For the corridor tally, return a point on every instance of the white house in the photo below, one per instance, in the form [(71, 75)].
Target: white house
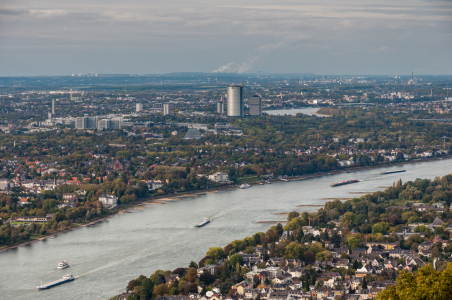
[(109, 200), (219, 177)]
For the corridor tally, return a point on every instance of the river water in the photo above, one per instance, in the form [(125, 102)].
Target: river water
[(292, 111), (105, 256)]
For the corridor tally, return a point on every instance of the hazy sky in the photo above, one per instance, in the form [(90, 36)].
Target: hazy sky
[(62, 37)]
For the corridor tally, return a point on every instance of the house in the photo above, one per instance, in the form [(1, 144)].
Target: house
[(219, 177), (120, 165), (363, 272), (207, 268), (436, 223), (24, 201), (386, 246), (108, 200), (69, 195), (397, 252), (250, 258), (426, 253), (30, 219)]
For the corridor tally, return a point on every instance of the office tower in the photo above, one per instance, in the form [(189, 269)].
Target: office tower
[(103, 124), (166, 109), (255, 105), (235, 101), (114, 123), (53, 106), (85, 122), (220, 107), (139, 107)]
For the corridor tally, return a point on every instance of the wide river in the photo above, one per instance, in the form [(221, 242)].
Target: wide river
[(104, 257)]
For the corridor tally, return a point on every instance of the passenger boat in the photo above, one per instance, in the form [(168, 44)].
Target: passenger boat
[(203, 223), (63, 265), (66, 278), (344, 182)]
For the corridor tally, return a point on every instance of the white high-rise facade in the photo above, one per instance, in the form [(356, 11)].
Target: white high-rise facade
[(255, 104), (139, 107), (235, 101), (166, 109)]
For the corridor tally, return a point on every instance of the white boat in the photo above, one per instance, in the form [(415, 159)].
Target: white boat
[(245, 186), (63, 265)]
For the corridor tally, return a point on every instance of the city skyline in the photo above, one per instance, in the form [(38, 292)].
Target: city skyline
[(345, 37)]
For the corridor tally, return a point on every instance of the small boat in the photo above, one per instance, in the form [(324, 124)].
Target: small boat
[(344, 182), (63, 265), (391, 172), (245, 186), (66, 278), (203, 223)]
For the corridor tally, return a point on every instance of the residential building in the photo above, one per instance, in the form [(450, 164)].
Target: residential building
[(108, 200)]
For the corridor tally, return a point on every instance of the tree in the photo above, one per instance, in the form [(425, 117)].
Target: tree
[(190, 288), (147, 289), (364, 286), (425, 284), (309, 257), (191, 275), (380, 227), (292, 215), (236, 259), (160, 290), (131, 285), (207, 278), (294, 250), (300, 235), (215, 253), (193, 265), (279, 229)]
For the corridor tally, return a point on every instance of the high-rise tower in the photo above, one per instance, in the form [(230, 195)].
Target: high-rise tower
[(235, 101)]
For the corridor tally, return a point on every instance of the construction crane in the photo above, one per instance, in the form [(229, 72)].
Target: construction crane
[(313, 219)]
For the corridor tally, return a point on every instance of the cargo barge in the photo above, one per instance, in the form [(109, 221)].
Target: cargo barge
[(391, 172), (203, 223), (66, 278), (344, 182)]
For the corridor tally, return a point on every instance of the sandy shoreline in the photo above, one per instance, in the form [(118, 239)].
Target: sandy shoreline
[(166, 198)]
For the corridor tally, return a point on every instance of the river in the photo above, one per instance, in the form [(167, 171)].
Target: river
[(292, 111), (105, 256)]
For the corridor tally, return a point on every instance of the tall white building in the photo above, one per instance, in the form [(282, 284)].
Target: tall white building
[(220, 107), (85, 122), (255, 104), (139, 107), (235, 101), (166, 109)]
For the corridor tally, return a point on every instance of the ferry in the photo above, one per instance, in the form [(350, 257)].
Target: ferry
[(63, 265), (66, 278), (203, 223), (391, 172), (245, 186), (344, 182)]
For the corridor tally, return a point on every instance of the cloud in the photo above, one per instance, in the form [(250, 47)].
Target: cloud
[(13, 11)]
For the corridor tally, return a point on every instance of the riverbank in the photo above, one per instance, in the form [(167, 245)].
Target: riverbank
[(171, 198)]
